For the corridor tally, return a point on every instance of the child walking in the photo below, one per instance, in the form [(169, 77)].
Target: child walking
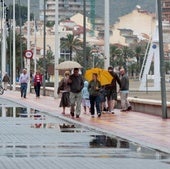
[(85, 98)]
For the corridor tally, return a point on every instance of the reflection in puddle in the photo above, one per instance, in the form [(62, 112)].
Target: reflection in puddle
[(27, 132), (101, 141)]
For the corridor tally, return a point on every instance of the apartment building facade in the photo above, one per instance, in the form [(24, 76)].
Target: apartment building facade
[(67, 8), (166, 10)]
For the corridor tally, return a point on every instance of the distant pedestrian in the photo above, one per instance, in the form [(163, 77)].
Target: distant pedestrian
[(64, 89), (94, 90), (5, 81), (37, 83), (111, 90), (76, 86), (85, 98), (23, 80), (124, 90)]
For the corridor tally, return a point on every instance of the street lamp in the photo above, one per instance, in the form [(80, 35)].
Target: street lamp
[(28, 42), (3, 58), (14, 52), (162, 63), (44, 49), (96, 53), (84, 35), (20, 27), (106, 36), (57, 50)]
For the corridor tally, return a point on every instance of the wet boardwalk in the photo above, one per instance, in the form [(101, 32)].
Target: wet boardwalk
[(151, 130), (141, 128)]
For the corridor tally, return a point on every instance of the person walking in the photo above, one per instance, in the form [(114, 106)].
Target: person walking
[(103, 99), (37, 83), (23, 80), (111, 90), (94, 90), (5, 81), (64, 89), (124, 90), (85, 98), (76, 85)]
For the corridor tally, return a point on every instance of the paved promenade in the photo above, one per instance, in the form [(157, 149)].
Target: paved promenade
[(141, 128), (22, 146)]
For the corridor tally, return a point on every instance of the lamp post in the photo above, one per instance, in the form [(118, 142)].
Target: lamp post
[(44, 49), (106, 36), (35, 47), (57, 50), (1, 36), (162, 63), (20, 26), (28, 43), (3, 59), (14, 52), (84, 35)]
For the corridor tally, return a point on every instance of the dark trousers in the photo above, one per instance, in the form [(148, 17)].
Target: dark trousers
[(23, 89), (37, 89), (95, 101)]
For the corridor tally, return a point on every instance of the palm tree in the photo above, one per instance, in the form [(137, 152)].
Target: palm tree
[(139, 52), (19, 61), (79, 55), (71, 43), (127, 53), (115, 56)]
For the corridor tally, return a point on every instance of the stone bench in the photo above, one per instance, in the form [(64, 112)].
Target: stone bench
[(147, 106)]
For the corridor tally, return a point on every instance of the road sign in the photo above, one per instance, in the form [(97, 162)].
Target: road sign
[(28, 54)]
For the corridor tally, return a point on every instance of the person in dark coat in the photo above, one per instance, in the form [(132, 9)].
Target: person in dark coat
[(94, 91), (76, 85), (5, 81), (64, 89), (111, 90)]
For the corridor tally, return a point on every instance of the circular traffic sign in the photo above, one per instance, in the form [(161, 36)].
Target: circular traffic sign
[(154, 46), (28, 54)]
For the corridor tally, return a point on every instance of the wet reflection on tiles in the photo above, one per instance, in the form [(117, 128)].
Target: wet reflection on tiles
[(27, 132)]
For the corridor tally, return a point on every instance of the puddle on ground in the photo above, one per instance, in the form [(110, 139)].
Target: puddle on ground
[(26, 132)]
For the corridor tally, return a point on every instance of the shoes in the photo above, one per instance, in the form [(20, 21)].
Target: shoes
[(129, 108), (63, 113), (112, 112), (77, 116), (98, 114), (72, 114), (123, 110), (92, 116), (72, 111)]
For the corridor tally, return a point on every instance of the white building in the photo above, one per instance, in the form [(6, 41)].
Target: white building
[(67, 8), (139, 21)]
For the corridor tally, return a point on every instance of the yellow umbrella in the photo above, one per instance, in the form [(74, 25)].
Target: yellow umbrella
[(103, 75)]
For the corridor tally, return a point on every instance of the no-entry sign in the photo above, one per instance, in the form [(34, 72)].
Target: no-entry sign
[(28, 54)]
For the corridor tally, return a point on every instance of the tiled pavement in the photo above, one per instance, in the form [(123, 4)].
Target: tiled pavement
[(149, 130), (145, 129)]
